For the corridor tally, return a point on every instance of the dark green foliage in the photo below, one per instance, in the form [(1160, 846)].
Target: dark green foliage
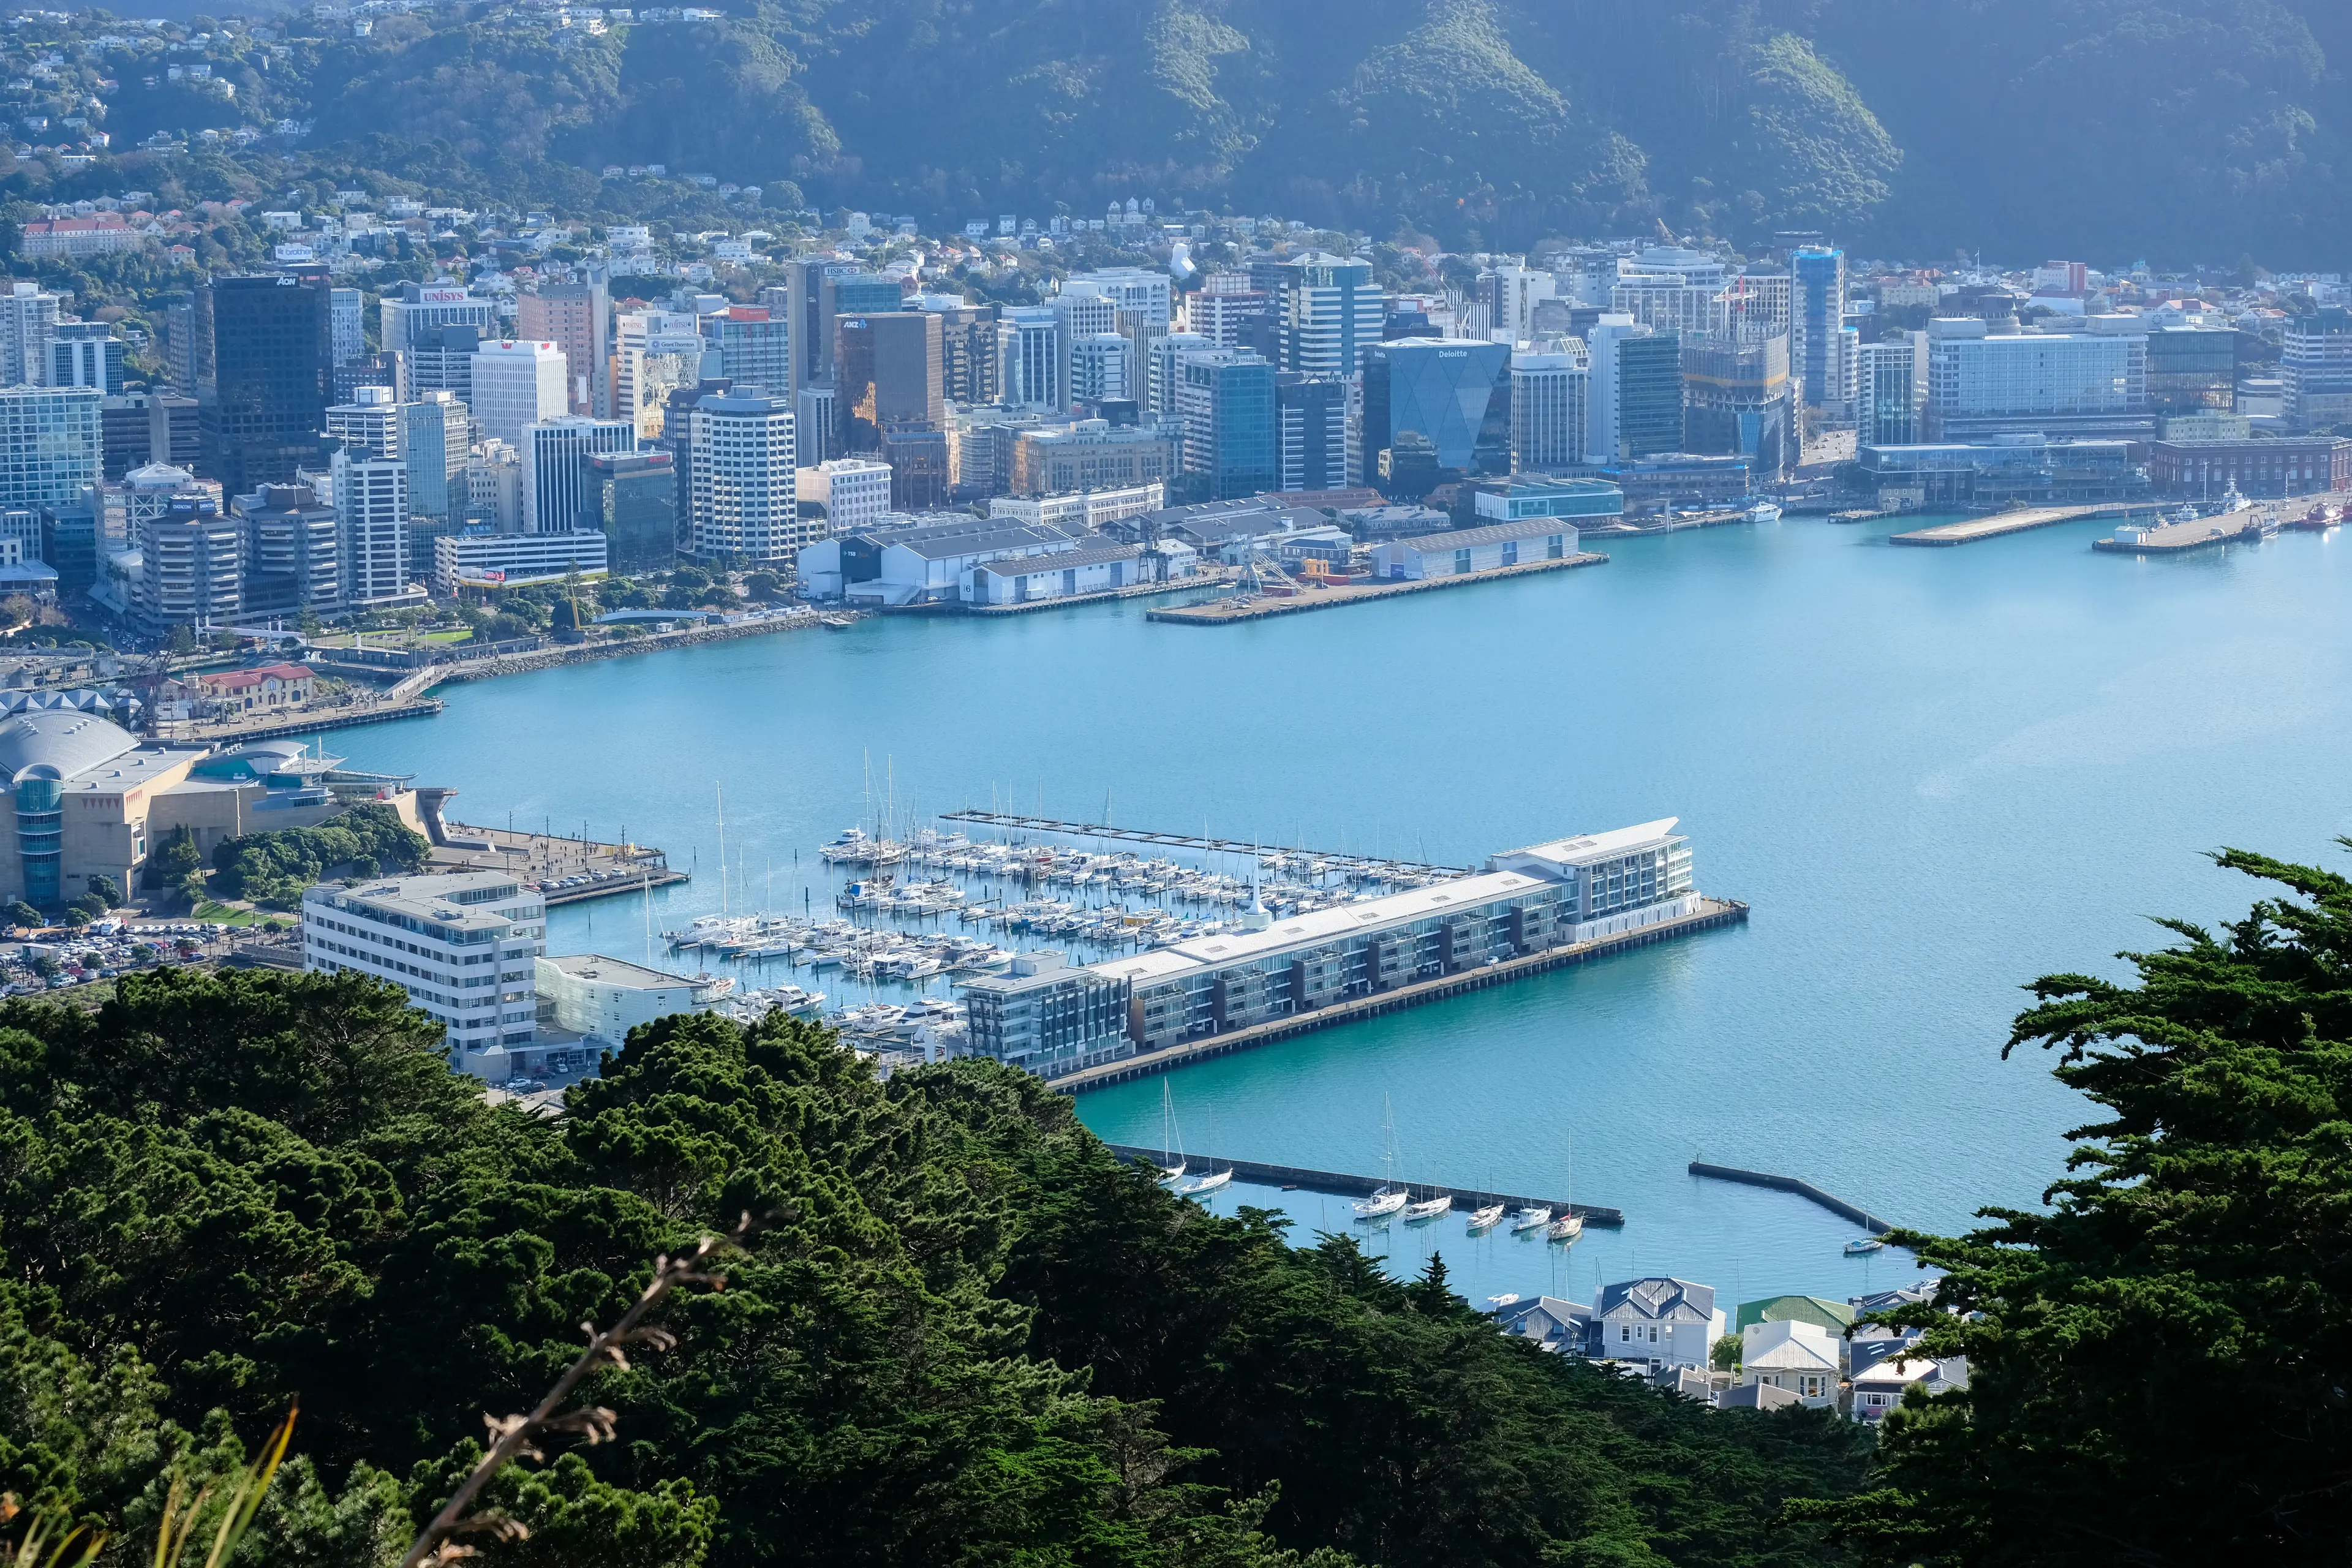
[(961, 1333), (2158, 1367), (106, 890), (174, 860), (274, 867), (24, 914)]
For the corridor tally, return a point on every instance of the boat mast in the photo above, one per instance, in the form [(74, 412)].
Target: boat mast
[(722, 846)]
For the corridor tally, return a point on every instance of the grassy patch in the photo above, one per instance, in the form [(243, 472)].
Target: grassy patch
[(230, 914)]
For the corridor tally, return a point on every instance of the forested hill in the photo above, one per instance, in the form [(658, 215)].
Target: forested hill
[(2109, 128)]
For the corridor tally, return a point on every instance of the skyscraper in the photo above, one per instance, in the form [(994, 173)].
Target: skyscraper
[(85, 353), (1028, 354), (293, 551), (1100, 369), (574, 317), (633, 497), (1816, 318), (1225, 398), (421, 308), (1311, 437), (1737, 400), (371, 519), (889, 371), (1160, 381), (554, 483), (371, 425), (741, 480), (1891, 390), (436, 432), (1605, 439), (754, 346), (1079, 316), (346, 324), (1332, 312), (516, 384), (49, 445), (27, 315), (1547, 393), (968, 352), (264, 369), (1649, 395), (1434, 410)]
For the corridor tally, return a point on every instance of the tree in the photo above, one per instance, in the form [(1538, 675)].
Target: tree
[(21, 913), (763, 585), (105, 890), (2156, 1365), (1724, 1355), (177, 857)]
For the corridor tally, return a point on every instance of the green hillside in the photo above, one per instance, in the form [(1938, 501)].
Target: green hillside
[(2107, 129)]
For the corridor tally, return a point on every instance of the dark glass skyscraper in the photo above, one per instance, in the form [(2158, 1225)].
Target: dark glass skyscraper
[(1445, 403), (264, 366), (889, 373)]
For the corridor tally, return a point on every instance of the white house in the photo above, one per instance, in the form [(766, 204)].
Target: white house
[(603, 998), (1558, 1325), (1794, 1355), (1461, 551), (1879, 1389), (1661, 1322), (1100, 568)]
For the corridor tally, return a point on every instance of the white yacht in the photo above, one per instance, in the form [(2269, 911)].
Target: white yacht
[(1486, 1219), (1382, 1204), (1427, 1209), (1566, 1228), (1764, 511), (1531, 1219), (1211, 1182)]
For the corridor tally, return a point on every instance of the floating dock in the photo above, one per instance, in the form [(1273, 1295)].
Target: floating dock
[(1346, 1186), (1342, 863), (1230, 612), (1712, 912), (2003, 522), (1806, 1190)]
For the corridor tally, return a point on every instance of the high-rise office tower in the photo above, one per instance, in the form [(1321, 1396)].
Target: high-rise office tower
[(441, 359), (1817, 356), (264, 369), (1891, 390), (1332, 312), (1101, 369), (177, 319), (744, 504), (516, 384), (1434, 410), (346, 324), (1225, 398), (818, 412), (968, 353), (889, 371), (1028, 354), (576, 318), (554, 483), (420, 308), (1311, 435), (436, 432), (372, 523), (754, 347), (633, 497), (1221, 315), (28, 314), (1077, 316), (50, 443), (1547, 394), (85, 353), (1512, 294), (191, 566), (1160, 382)]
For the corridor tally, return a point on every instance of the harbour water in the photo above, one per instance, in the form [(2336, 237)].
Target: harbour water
[(1935, 774)]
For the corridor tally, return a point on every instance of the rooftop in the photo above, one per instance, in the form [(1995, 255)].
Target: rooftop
[(606, 971)]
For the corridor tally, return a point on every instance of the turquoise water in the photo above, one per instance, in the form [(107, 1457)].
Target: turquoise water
[(1935, 774)]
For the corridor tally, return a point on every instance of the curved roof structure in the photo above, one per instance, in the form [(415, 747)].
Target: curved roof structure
[(63, 738)]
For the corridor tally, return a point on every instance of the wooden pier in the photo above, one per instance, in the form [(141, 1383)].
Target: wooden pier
[(1713, 912), (1806, 1190), (1232, 612), (1014, 822), (1346, 1186), (2002, 522)]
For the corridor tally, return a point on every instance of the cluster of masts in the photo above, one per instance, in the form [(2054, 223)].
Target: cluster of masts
[(865, 951), (1301, 873)]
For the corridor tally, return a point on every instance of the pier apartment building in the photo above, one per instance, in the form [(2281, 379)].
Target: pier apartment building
[(1052, 1018)]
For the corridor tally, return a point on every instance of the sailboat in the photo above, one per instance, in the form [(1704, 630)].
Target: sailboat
[(1169, 1138), (1568, 1225), (1211, 1182), (1389, 1197), (1427, 1209), (1486, 1219)]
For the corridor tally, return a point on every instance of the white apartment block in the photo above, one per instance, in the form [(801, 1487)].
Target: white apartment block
[(28, 317), (373, 424), (516, 384), (855, 491), (463, 946), (1029, 359), (1548, 409), (742, 477), (371, 514), (1101, 368)]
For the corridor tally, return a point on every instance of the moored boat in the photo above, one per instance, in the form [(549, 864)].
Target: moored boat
[(1427, 1209), (1565, 1228), (1382, 1204), (1531, 1219), (1862, 1245), (1486, 1219)]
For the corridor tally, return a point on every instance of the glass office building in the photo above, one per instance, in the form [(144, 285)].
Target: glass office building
[(1435, 408)]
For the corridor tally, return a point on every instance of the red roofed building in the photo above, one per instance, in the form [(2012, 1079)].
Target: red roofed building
[(259, 690), (92, 236)]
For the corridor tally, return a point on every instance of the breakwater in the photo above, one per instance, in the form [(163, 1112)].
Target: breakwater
[(1340, 1184), (1806, 1190)]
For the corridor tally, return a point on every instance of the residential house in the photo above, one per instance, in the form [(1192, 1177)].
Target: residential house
[(1879, 1389), (1661, 1322), (1792, 1355), (1558, 1325), (270, 688)]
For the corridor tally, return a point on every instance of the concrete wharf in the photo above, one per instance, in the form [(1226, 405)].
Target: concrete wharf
[(1344, 863), (1836, 1205), (1231, 611), (2199, 533), (1340, 1186), (1712, 912), (603, 870), (2003, 522)]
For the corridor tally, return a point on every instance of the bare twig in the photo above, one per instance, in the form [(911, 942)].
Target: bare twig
[(514, 1437)]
